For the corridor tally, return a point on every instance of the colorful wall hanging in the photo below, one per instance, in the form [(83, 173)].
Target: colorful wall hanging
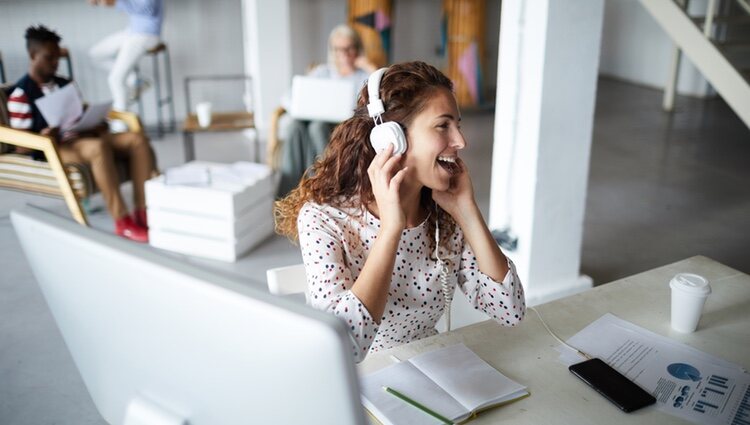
[(372, 20), (463, 38)]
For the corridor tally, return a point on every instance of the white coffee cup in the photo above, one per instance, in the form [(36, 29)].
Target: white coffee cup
[(203, 110), (689, 293)]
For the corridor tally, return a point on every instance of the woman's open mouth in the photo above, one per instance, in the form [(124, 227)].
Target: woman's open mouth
[(449, 164)]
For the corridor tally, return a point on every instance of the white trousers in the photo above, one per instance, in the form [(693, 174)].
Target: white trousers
[(118, 53)]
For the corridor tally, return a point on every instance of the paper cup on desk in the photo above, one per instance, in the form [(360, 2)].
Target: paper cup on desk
[(689, 293), (203, 111)]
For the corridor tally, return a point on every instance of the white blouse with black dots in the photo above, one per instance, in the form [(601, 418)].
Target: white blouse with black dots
[(335, 244)]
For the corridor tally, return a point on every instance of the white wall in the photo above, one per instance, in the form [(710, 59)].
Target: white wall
[(311, 21), (205, 37), (636, 49)]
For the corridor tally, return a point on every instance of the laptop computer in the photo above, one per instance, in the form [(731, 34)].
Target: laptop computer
[(322, 99)]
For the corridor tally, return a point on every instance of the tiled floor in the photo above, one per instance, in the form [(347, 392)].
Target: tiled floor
[(662, 187)]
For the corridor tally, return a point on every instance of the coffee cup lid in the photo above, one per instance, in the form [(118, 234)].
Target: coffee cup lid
[(691, 283)]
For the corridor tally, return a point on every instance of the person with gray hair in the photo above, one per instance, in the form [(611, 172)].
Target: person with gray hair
[(304, 141)]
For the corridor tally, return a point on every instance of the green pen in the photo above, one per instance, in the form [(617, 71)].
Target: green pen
[(417, 405)]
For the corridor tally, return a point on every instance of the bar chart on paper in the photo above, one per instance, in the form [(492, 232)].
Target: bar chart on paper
[(704, 394), (713, 394), (742, 417), (723, 399)]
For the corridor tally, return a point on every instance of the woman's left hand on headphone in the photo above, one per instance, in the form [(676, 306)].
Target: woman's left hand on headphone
[(460, 196)]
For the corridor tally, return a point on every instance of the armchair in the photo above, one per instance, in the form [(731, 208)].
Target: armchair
[(71, 181)]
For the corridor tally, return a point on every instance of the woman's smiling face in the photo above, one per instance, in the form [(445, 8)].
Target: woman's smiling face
[(434, 138)]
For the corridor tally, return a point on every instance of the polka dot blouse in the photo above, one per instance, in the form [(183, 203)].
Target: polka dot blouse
[(335, 244)]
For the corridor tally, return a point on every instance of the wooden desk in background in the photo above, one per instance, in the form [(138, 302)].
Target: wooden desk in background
[(220, 121), (527, 353)]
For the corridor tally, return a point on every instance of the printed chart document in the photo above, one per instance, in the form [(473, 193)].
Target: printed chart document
[(62, 107), (686, 382), (92, 117), (452, 381)]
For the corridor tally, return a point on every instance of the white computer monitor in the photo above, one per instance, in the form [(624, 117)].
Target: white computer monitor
[(157, 341)]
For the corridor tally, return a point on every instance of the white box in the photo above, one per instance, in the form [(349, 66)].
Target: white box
[(222, 218)]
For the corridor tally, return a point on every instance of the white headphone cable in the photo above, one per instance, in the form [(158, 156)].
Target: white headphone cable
[(581, 353), (448, 290)]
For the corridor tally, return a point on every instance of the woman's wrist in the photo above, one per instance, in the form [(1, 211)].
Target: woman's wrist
[(467, 215), (390, 232)]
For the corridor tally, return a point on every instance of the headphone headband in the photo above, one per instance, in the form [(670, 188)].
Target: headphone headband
[(375, 105), (382, 134)]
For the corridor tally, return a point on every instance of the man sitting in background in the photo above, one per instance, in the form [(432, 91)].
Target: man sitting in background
[(97, 149)]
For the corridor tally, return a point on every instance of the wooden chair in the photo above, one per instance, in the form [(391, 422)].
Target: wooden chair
[(71, 181), (274, 143), (65, 54)]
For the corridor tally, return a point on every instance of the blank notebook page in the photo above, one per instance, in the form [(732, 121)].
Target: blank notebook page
[(406, 378), (479, 384)]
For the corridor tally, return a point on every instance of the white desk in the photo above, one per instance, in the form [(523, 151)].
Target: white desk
[(527, 352)]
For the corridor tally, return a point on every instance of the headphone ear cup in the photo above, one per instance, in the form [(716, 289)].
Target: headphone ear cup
[(388, 133)]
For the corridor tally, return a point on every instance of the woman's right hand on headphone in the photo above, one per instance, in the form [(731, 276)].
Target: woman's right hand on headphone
[(385, 179)]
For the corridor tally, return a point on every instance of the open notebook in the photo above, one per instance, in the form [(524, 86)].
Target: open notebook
[(452, 381)]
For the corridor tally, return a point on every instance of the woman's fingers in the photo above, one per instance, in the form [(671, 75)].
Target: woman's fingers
[(377, 163), (383, 156), (384, 164), (391, 164), (398, 178)]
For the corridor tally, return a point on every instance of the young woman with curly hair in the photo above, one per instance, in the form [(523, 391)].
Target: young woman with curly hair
[(366, 221)]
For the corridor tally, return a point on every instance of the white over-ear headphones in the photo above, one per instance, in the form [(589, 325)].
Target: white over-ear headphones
[(384, 133)]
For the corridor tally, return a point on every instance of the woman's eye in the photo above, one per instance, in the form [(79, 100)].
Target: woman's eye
[(443, 125)]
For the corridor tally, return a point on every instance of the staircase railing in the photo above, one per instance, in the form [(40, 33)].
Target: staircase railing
[(698, 45)]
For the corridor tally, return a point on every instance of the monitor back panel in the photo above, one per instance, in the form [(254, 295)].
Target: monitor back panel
[(143, 327)]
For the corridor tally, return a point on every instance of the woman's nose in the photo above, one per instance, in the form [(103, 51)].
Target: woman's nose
[(459, 142)]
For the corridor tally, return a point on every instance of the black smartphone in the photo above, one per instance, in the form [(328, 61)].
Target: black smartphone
[(613, 385)]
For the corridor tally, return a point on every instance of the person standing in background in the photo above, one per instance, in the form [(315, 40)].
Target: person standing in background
[(118, 53)]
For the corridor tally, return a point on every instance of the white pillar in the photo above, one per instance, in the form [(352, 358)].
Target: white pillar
[(267, 50), (546, 92)]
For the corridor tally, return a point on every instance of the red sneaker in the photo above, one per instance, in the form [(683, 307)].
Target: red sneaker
[(140, 217), (127, 228)]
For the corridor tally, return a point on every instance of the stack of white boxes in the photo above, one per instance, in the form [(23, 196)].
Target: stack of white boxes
[(211, 210)]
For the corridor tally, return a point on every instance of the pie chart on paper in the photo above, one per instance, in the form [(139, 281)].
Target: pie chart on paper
[(684, 371)]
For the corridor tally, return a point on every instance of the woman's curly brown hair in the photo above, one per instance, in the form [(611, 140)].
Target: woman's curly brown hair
[(339, 178)]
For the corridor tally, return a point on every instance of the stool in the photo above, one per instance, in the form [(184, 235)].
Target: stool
[(162, 100)]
